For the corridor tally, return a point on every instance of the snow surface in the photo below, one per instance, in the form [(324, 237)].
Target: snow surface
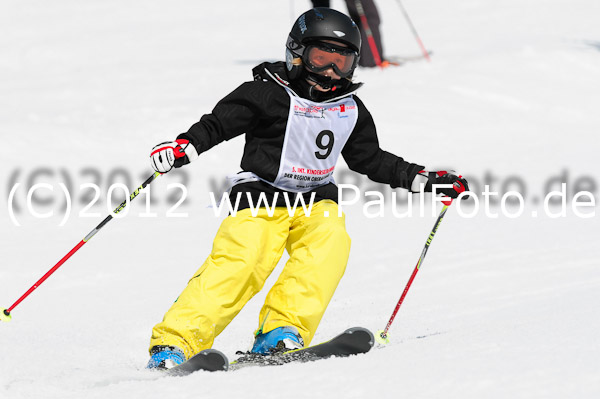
[(502, 307)]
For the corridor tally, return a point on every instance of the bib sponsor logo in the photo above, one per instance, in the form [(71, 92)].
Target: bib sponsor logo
[(309, 111)]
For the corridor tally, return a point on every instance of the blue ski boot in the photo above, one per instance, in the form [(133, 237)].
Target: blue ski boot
[(165, 357), (279, 340)]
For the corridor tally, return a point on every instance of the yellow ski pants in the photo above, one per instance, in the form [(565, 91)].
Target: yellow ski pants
[(245, 252)]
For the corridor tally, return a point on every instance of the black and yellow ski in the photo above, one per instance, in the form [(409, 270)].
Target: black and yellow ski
[(353, 341), (207, 360)]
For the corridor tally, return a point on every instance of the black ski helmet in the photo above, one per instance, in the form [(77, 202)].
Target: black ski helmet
[(314, 25)]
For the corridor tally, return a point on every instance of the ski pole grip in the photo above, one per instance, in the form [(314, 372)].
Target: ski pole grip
[(459, 188)]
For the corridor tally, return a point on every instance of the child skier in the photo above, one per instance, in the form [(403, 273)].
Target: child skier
[(298, 116)]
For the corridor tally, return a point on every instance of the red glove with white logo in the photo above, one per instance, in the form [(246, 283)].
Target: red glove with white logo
[(431, 179), (169, 154)]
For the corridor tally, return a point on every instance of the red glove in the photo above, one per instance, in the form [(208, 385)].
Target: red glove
[(431, 179), (169, 154)]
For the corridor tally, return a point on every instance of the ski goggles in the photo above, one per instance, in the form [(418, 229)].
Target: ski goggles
[(322, 56)]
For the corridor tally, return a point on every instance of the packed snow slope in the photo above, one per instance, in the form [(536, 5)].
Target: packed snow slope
[(505, 304)]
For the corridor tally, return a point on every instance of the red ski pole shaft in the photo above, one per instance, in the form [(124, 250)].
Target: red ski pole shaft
[(81, 243), (417, 267), (368, 33), (414, 31)]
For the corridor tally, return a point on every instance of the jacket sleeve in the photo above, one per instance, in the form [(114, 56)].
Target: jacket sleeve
[(236, 114), (363, 154)]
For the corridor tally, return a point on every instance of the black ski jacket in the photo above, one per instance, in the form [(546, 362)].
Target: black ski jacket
[(259, 109)]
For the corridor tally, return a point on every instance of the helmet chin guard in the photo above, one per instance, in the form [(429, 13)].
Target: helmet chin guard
[(325, 81)]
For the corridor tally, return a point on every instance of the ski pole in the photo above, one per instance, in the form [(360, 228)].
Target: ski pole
[(368, 33), (382, 335), (414, 31), (5, 314)]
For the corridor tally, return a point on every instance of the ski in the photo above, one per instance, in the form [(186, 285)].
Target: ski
[(353, 341), (398, 60), (207, 360)]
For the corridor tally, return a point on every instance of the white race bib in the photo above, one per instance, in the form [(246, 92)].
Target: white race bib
[(314, 138)]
